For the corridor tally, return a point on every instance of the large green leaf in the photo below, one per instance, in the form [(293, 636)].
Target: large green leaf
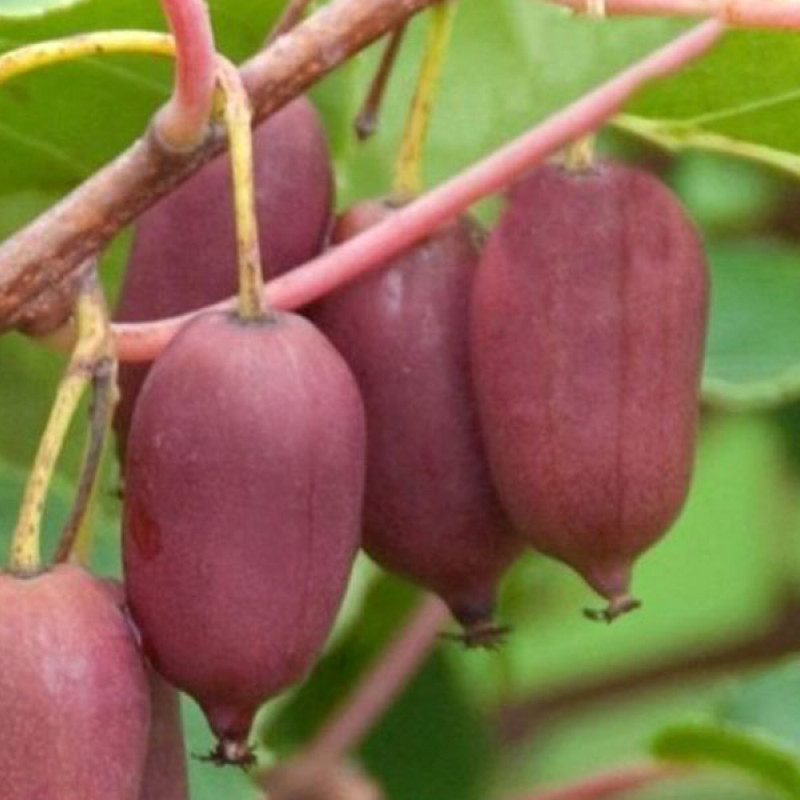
[(769, 702), (52, 138), (753, 355), (512, 43), (730, 745), (33, 8), (504, 73), (755, 727), (745, 89)]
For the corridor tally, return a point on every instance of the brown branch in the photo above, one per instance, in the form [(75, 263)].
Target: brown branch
[(40, 258), (523, 719)]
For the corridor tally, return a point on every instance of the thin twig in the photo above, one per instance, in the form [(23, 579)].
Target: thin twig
[(42, 54), (93, 340), (381, 684), (104, 393), (613, 783), (523, 719), (368, 117), (183, 122), (407, 225), (784, 14)]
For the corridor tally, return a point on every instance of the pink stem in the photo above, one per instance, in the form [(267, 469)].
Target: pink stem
[(609, 784), (143, 342), (381, 684), (183, 122), (744, 13)]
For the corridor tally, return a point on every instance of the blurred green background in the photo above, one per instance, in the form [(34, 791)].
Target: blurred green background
[(705, 669)]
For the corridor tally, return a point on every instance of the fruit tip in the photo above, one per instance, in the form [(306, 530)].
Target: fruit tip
[(476, 616), (230, 752), (485, 635), (617, 607), (365, 126)]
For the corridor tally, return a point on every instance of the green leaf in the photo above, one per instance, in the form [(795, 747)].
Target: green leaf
[(754, 752), (725, 195), (753, 359), (431, 743), (503, 74), (453, 756), (51, 137), (745, 89), (755, 728), (768, 702), (381, 613), (33, 8), (662, 134)]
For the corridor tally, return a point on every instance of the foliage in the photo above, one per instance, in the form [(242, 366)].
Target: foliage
[(512, 64)]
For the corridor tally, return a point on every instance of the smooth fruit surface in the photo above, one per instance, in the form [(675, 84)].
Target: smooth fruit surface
[(185, 245), (243, 499), (430, 514), (165, 775), (73, 691), (589, 319)]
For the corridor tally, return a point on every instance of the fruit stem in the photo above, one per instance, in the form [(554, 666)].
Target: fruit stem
[(408, 172), (183, 122), (579, 156), (238, 119), (368, 117), (292, 16), (43, 54), (93, 338), (78, 534), (617, 607), (596, 8)]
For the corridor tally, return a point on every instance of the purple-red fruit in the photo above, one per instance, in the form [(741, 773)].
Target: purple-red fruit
[(243, 498), (73, 691), (165, 775), (589, 319), (430, 512), (184, 246)]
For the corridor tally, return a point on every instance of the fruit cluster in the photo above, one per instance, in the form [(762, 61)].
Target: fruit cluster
[(474, 396)]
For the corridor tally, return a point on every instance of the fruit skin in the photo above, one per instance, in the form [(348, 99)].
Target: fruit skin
[(184, 246), (430, 512), (73, 691), (589, 319), (165, 775), (244, 487)]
